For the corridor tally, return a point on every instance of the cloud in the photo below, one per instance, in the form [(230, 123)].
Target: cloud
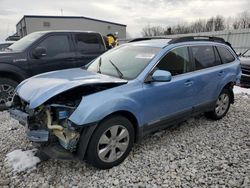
[(135, 14)]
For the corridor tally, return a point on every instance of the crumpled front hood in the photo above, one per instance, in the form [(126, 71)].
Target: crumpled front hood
[(38, 89)]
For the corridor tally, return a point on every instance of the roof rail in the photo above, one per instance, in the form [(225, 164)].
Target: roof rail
[(146, 38), (197, 38), (201, 38)]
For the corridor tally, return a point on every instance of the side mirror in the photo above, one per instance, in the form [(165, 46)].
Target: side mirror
[(39, 52), (161, 76)]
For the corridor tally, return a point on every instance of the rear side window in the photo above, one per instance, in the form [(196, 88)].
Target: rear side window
[(89, 43), (56, 45), (225, 55), (176, 61), (204, 57)]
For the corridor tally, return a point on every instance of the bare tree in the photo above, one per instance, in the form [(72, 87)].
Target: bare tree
[(210, 24), (146, 31), (198, 26), (219, 23), (245, 20), (152, 31), (242, 21), (236, 24)]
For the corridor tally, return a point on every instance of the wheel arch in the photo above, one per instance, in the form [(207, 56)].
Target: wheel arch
[(12, 72), (11, 75), (131, 117), (229, 86), (88, 131)]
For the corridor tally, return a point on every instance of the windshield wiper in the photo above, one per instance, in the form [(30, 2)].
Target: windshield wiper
[(99, 65), (116, 68)]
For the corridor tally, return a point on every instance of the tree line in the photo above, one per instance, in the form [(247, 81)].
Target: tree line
[(217, 23)]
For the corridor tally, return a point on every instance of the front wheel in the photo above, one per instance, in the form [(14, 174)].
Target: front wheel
[(221, 106), (111, 142)]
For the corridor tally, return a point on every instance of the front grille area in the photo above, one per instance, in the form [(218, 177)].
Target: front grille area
[(245, 81), (245, 70)]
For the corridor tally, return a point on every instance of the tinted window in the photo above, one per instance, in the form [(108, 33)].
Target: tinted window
[(56, 46), (204, 57), (89, 43), (176, 61), (225, 55)]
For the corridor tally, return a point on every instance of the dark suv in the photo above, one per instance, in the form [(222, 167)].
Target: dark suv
[(45, 51)]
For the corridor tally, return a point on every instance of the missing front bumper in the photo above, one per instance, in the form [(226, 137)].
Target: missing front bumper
[(32, 135), (20, 116), (38, 135)]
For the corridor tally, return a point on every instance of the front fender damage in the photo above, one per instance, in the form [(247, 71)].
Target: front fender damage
[(49, 125)]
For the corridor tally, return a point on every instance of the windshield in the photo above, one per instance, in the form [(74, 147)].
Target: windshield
[(25, 42), (125, 62)]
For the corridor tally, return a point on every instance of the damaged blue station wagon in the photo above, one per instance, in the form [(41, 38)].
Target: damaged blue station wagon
[(98, 112)]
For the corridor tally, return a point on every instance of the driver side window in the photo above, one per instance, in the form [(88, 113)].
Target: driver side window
[(176, 61), (55, 45)]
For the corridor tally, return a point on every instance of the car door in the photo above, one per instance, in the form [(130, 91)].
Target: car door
[(58, 55), (88, 46), (208, 73), (166, 102)]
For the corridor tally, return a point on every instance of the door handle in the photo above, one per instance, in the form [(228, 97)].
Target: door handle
[(221, 73), (188, 83)]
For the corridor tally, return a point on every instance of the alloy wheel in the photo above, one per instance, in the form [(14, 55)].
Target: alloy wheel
[(6, 93), (222, 104), (113, 143)]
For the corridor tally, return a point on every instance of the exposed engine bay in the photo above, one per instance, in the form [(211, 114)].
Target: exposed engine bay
[(49, 123)]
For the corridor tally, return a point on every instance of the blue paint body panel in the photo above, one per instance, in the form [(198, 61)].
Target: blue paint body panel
[(148, 102)]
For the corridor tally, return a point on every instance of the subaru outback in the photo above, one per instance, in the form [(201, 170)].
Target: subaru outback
[(96, 113)]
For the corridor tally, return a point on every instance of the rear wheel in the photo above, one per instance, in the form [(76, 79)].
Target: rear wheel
[(111, 142), (7, 90), (221, 107)]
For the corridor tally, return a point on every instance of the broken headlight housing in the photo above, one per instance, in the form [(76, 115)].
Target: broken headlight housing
[(68, 136)]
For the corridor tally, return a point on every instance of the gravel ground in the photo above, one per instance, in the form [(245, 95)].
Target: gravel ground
[(198, 153)]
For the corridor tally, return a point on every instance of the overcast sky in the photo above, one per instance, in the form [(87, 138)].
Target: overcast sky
[(135, 14)]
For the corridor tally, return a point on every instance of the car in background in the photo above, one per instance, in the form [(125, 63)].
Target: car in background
[(45, 51), (245, 67), (98, 112), (6, 44)]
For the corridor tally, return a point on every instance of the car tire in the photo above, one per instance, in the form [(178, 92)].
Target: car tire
[(222, 106), (7, 90), (111, 142)]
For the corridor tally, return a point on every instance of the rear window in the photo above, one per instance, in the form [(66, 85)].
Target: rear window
[(89, 43), (225, 55), (204, 57)]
